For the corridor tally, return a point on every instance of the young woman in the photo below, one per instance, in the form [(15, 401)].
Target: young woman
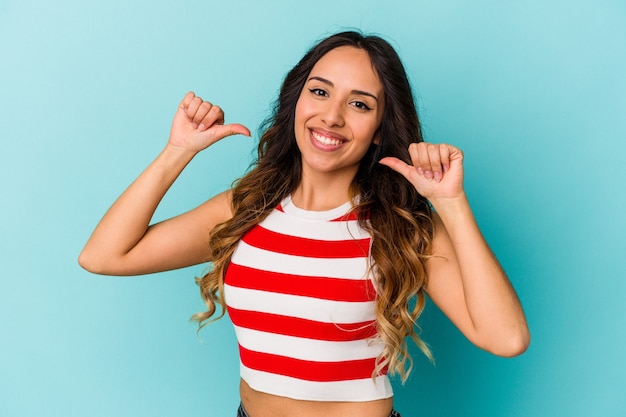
[(318, 252)]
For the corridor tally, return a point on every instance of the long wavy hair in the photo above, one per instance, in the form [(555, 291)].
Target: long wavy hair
[(397, 217)]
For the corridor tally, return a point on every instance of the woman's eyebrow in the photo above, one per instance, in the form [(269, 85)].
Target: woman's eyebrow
[(330, 83)]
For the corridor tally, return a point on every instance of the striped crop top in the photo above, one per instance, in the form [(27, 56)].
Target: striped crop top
[(299, 293)]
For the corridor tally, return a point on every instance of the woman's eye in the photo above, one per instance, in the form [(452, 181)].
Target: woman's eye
[(318, 92), (360, 105)]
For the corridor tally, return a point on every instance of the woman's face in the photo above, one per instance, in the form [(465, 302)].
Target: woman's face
[(338, 113)]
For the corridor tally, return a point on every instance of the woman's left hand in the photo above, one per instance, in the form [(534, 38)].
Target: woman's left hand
[(436, 171)]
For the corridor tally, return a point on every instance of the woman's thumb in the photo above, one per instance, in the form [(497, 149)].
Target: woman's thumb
[(232, 129)]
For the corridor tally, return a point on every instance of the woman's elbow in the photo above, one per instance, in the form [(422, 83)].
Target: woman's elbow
[(514, 345), (86, 262), (91, 263)]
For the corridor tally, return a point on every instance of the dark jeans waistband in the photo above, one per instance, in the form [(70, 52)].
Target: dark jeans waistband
[(241, 412)]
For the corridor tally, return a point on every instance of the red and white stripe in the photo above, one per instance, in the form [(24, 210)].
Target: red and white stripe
[(301, 298)]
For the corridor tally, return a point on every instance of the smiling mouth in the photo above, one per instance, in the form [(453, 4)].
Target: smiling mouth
[(326, 140)]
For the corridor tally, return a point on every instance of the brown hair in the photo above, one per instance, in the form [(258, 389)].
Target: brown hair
[(398, 218)]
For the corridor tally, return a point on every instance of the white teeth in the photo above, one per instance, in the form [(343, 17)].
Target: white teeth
[(325, 140)]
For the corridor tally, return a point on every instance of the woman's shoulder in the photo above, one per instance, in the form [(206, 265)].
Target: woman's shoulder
[(219, 207)]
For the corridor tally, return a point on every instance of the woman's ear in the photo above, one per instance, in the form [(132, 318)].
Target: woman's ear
[(376, 140)]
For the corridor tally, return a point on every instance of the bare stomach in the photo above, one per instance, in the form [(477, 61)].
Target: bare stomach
[(260, 404)]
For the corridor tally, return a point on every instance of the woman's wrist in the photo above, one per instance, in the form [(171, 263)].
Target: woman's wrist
[(450, 205), (170, 162), (175, 152)]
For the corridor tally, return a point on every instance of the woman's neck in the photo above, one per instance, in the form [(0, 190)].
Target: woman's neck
[(320, 194)]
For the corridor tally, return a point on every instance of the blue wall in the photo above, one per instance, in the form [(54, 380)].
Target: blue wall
[(533, 92)]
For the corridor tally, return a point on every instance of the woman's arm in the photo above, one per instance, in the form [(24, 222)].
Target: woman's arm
[(465, 279), (124, 243), (468, 284)]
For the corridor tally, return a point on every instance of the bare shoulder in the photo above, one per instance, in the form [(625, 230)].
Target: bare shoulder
[(183, 240), (188, 234), (217, 209)]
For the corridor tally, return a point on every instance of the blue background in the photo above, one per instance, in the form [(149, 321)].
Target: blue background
[(534, 92)]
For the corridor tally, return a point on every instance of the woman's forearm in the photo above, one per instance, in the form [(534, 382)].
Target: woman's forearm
[(127, 220)]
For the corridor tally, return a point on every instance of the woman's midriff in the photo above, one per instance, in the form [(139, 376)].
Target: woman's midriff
[(260, 404)]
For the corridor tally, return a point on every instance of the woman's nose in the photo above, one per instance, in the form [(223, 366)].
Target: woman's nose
[(333, 114)]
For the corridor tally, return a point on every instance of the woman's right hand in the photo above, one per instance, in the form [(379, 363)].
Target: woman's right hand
[(198, 124), (124, 242)]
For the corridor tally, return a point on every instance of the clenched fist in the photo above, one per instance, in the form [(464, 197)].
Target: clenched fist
[(198, 124), (436, 171)]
